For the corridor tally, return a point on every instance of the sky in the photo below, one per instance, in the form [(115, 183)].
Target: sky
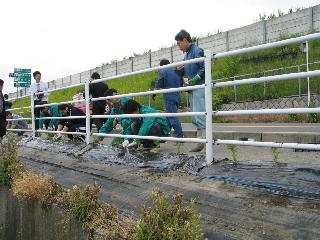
[(64, 37)]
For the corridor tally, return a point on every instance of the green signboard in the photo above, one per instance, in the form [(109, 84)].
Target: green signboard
[(22, 77), (22, 71)]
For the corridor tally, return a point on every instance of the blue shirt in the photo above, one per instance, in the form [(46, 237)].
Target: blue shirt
[(191, 70), (169, 78)]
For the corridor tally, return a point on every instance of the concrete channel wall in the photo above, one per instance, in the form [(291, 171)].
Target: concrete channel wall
[(301, 22)]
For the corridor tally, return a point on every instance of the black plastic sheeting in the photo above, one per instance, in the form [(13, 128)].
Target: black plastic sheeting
[(292, 174)]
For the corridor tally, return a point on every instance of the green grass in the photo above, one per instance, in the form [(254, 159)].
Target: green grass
[(222, 68)]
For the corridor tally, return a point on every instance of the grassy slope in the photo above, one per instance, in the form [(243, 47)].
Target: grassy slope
[(222, 68)]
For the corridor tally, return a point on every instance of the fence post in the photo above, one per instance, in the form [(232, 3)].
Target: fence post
[(235, 90), (264, 86), (299, 82), (208, 100), (33, 124), (308, 79), (264, 31), (88, 117), (311, 19), (227, 41)]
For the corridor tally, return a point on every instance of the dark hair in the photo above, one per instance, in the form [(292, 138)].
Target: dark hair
[(6, 96), (164, 62), (95, 76), (183, 34), (1, 82), (35, 73), (62, 107), (110, 92), (130, 106)]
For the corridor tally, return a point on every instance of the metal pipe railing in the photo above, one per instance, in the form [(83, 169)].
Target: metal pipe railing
[(208, 87), (269, 144), (196, 60), (282, 77), (172, 139), (168, 90)]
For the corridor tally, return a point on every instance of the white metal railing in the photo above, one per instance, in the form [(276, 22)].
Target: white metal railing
[(208, 113)]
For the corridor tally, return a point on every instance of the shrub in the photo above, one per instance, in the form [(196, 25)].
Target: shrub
[(107, 223), (35, 186), (81, 204), (167, 220), (9, 164)]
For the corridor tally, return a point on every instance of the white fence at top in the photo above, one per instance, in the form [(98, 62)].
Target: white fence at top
[(209, 87), (301, 22)]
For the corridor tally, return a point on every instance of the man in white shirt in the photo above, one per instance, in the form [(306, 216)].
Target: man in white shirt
[(40, 99)]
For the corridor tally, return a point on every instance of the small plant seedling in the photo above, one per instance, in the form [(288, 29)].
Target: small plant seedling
[(276, 154), (234, 152), (178, 144)]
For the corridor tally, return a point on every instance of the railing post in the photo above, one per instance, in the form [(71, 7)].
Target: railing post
[(88, 117), (264, 86), (208, 100), (308, 79), (235, 90), (33, 124), (299, 82)]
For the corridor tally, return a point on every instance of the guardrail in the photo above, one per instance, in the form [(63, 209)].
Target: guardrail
[(209, 87)]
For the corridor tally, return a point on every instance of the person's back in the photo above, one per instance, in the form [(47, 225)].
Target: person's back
[(169, 78), (20, 124), (148, 122), (98, 89)]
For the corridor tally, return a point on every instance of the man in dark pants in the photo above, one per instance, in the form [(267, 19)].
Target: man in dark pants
[(2, 112), (71, 125), (97, 90), (40, 99), (170, 78)]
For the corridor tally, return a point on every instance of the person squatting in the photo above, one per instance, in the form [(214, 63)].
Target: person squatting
[(184, 75)]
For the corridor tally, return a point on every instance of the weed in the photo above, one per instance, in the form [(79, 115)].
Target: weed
[(169, 220), (179, 145), (35, 186), (107, 222), (276, 154), (293, 117), (234, 151), (81, 204), (9, 164)]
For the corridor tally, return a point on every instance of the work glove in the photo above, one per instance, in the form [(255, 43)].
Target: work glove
[(58, 136), (115, 123), (194, 80), (125, 144), (133, 144), (154, 97)]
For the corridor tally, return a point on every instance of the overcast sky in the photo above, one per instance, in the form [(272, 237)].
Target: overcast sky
[(64, 37)]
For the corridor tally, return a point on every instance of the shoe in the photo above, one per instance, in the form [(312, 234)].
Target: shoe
[(199, 146)]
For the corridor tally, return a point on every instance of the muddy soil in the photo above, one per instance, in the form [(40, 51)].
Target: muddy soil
[(228, 211)]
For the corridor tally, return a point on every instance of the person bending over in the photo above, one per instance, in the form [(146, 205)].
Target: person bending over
[(49, 111), (144, 126), (71, 125), (17, 123), (116, 109)]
